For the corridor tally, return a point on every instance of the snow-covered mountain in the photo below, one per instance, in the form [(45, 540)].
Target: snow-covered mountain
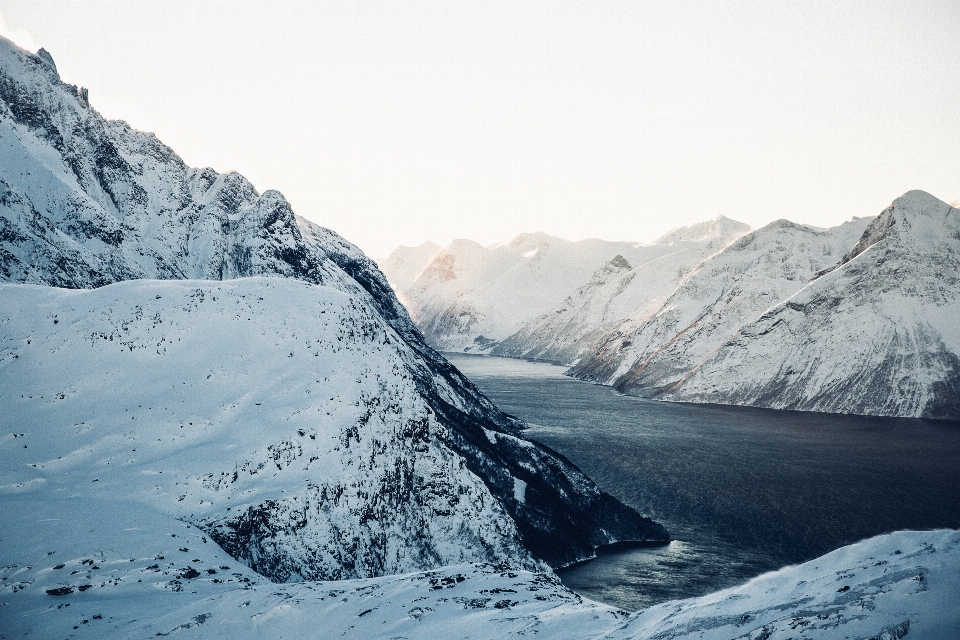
[(121, 570), (278, 417), (86, 202), (203, 394), (878, 334), (619, 292), (470, 297), (727, 291), (405, 264)]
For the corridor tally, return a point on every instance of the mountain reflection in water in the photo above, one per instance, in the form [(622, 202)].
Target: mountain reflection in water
[(741, 490)]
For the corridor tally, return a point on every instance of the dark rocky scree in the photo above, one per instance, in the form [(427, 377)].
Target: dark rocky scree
[(126, 207)]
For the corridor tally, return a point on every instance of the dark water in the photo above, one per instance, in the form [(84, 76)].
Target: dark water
[(742, 491)]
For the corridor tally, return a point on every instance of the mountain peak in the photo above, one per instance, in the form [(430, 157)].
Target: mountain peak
[(915, 215), (463, 244), (619, 262), (719, 227), (919, 203), (528, 241), (44, 55)]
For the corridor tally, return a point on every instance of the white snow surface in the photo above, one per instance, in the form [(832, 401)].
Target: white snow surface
[(470, 297), (83, 567), (733, 287), (878, 335), (261, 402), (405, 264)]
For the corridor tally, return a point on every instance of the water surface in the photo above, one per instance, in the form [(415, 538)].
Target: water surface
[(742, 491)]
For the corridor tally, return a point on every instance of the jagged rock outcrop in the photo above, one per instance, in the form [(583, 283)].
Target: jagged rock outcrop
[(86, 203)]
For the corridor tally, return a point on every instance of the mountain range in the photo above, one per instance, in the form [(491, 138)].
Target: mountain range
[(858, 318), (130, 349), (470, 298), (218, 420)]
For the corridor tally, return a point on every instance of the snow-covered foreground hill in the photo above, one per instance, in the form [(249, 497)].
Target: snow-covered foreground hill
[(279, 417), (85, 202), (92, 568), (470, 298)]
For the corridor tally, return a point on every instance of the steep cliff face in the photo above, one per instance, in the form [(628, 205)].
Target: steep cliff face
[(727, 291), (619, 292), (86, 203), (877, 335)]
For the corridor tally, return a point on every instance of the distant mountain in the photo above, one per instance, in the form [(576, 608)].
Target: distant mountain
[(470, 297), (877, 334), (619, 292), (405, 264), (425, 470), (732, 288)]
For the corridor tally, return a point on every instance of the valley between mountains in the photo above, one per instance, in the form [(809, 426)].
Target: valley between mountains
[(218, 420), (860, 318)]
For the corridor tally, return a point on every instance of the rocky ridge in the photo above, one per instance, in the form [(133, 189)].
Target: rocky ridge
[(86, 203)]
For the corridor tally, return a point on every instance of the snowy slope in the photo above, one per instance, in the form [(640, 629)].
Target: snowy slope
[(882, 588), (727, 291), (82, 568), (86, 202), (405, 264), (619, 292), (277, 416), (877, 335), (470, 297)]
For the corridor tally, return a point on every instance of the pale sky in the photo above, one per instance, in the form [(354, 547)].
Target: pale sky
[(397, 122)]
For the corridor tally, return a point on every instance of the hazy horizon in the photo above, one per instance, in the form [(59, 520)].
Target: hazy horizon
[(395, 123)]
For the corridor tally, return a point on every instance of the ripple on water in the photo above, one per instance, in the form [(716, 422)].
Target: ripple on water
[(744, 491)]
